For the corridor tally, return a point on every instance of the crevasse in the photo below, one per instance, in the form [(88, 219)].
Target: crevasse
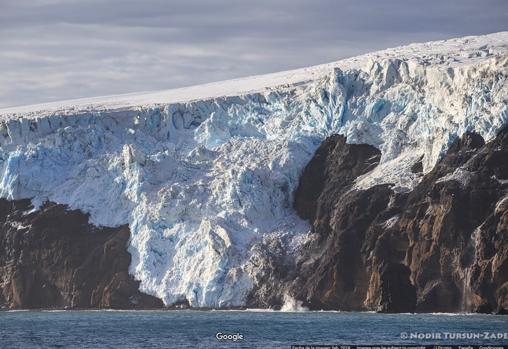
[(200, 182)]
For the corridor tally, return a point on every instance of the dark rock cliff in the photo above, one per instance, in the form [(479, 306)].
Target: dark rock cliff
[(456, 221), (53, 258), (443, 247)]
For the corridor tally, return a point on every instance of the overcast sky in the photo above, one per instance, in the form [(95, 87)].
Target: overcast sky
[(60, 49)]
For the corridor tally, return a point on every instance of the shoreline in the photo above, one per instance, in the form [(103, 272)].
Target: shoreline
[(240, 310)]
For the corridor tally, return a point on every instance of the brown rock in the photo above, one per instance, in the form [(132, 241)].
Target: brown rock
[(53, 258), (443, 247)]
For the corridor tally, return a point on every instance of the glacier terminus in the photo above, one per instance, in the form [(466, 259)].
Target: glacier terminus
[(203, 175)]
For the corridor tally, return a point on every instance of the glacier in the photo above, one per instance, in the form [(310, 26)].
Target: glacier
[(203, 174)]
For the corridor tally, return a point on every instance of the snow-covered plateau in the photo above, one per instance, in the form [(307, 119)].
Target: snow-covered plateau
[(202, 174)]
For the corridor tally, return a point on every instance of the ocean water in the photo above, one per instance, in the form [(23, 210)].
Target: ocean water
[(198, 329)]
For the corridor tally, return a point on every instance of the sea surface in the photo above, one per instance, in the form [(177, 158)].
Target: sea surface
[(260, 329)]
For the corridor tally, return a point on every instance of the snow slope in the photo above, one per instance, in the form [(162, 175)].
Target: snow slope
[(202, 174)]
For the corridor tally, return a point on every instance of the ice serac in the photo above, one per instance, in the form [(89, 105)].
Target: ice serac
[(204, 176)]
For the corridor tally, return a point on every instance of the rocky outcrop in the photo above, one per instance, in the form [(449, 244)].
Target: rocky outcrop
[(443, 247), (456, 222), (333, 169), (53, 258)]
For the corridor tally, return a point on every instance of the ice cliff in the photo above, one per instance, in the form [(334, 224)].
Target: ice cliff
[(203, 174)]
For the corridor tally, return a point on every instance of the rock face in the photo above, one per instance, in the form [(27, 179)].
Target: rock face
[(442, 247), (53, 257), (456, 222)]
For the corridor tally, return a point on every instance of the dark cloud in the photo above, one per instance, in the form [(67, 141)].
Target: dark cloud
[(58, 49)]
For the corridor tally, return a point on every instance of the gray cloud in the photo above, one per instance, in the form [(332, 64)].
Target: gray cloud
[(59, 49)]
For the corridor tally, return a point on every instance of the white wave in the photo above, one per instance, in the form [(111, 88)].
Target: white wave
[(292, 305)]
